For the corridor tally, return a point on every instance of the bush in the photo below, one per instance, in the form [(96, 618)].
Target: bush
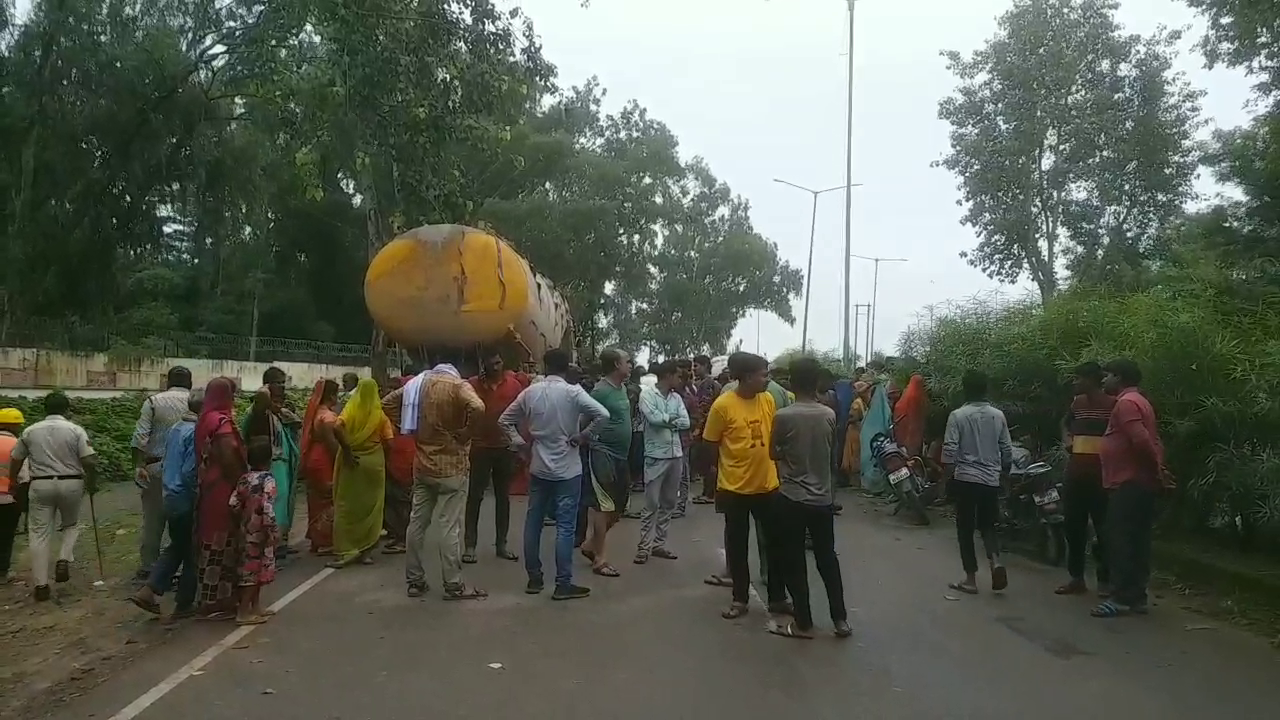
[(1211, 365), (110, 423)]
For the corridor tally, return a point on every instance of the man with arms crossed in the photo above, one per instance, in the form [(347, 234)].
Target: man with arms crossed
[(664, 418)]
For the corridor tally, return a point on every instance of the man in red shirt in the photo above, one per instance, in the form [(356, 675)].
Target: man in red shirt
[(1084, 427), (492, 461), (1132, 473)]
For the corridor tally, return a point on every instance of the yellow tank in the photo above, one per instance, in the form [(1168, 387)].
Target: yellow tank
[(455, 286)]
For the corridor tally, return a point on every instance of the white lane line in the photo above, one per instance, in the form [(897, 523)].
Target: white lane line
[(147, 699)]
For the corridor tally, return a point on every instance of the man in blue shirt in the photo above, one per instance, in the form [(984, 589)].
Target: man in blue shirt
[(180, 485)]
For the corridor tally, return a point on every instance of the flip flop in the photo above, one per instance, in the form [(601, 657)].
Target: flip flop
[(256, 620), (718, 581), (152, 607), (469, 558), (394, 550), (505, 554), (961, 587), (789, 630), (1108, 609), (218, 616), (606, 570), (734, 611), (465, 592)]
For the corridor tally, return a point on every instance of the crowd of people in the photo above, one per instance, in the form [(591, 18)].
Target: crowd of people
[(383, 466)]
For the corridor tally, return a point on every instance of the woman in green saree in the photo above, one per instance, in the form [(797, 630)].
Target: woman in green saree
[(269, 418), (364, 434)]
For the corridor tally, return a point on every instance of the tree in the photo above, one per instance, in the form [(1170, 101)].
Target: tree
[(1073, 143), (710, 269)]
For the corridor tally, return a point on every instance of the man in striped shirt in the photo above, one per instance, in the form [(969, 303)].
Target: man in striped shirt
[(1083, 428)]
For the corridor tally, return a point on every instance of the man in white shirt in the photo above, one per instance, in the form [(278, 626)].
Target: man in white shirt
[(61, 463), (160, 413), (553, 410)]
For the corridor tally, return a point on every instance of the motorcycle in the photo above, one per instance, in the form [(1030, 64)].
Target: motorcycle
[(1033, 510), (907, 476)]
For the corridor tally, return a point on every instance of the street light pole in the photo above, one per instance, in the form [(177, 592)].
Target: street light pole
[(875, 289), (848, 195), (808, 271)]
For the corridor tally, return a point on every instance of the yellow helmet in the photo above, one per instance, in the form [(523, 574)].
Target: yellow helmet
[(11, 416)]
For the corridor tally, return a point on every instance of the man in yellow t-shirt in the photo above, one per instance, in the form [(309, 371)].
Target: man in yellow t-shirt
[(738, 428)]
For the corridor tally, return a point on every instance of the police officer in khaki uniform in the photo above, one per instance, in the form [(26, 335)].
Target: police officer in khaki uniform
[(61, 464)]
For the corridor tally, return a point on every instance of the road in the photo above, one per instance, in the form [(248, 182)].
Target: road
[(350, 645)]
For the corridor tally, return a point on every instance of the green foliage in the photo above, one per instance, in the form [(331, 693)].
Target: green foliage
[(229, 166), (1073, 142), (1211, 368)]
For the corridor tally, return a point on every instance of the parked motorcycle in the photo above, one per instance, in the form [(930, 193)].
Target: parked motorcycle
[(907, 476), (1032, 511)]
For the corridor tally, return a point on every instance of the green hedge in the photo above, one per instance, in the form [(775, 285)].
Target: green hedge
[(1211, 365), (110, 423)]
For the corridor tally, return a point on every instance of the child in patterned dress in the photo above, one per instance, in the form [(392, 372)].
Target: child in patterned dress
[(252, 502)]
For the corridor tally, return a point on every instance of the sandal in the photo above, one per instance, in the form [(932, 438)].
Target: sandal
[(734, 611), (255, 620), (394, 549), (718, 581), (152, 607), (606, 570), (1110, 609), (789, 630), (417, 589), (469, 557), (217, 616), (464, 592), (641, 557), (665, 554), (1074, 587), (843, 629), (964, 587), (505, 554), (700, 500)]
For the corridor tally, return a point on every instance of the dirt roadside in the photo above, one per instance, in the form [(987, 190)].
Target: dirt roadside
[(55, 651)]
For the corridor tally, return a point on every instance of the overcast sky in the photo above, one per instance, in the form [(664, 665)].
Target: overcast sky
[(757, 87)]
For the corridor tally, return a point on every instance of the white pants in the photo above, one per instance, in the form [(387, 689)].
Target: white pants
[(50, 498)]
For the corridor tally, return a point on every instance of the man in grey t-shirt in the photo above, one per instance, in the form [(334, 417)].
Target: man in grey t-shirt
[(976, 453), (801, 445)]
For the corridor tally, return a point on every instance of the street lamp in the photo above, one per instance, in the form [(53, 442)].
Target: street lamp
[(808, 271), (848, 195), (875, 287)]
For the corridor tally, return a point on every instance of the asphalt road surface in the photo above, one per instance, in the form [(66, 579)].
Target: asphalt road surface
[(350, 645)]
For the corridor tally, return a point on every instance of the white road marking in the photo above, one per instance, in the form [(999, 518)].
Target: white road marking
[(135, 708)]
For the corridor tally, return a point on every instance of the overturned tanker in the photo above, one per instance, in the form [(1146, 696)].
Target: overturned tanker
[(453, 287)]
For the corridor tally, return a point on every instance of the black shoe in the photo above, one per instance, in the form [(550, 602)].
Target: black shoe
[(61, 571), (570, 592), (43, 593), (534, 586)]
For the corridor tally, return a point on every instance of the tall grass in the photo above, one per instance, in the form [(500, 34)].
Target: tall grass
[(1211, 364)]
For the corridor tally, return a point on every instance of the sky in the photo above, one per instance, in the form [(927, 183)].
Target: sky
[(757, 87)]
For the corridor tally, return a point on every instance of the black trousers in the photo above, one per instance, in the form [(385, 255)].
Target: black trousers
[(1085, 501), (1131, 511), (9, 515), (738, 511), (977, 507), (795, 520), (496, 466)]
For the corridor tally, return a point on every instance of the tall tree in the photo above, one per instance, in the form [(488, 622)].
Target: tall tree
[(1074, 142)]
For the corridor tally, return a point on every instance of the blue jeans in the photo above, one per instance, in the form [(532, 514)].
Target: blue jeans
[(561, 498), (179, 552)]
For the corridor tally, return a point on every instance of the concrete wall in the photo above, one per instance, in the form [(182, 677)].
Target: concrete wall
[(30, 372)]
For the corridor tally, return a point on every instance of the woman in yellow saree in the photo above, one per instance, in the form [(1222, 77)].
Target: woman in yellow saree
[(360, 476), (851, 463)]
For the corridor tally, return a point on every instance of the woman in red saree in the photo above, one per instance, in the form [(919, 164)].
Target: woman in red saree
[(319, 449), (220, 452), (909, 414)]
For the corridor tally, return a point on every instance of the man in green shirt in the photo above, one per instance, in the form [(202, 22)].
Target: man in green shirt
[(609, 451)]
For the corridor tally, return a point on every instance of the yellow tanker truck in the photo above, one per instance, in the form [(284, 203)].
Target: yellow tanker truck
[(459, 287)]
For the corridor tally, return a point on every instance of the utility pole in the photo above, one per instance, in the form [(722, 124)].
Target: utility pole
[(808, 270), (875, 289), (858, 310), (848, 193)]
